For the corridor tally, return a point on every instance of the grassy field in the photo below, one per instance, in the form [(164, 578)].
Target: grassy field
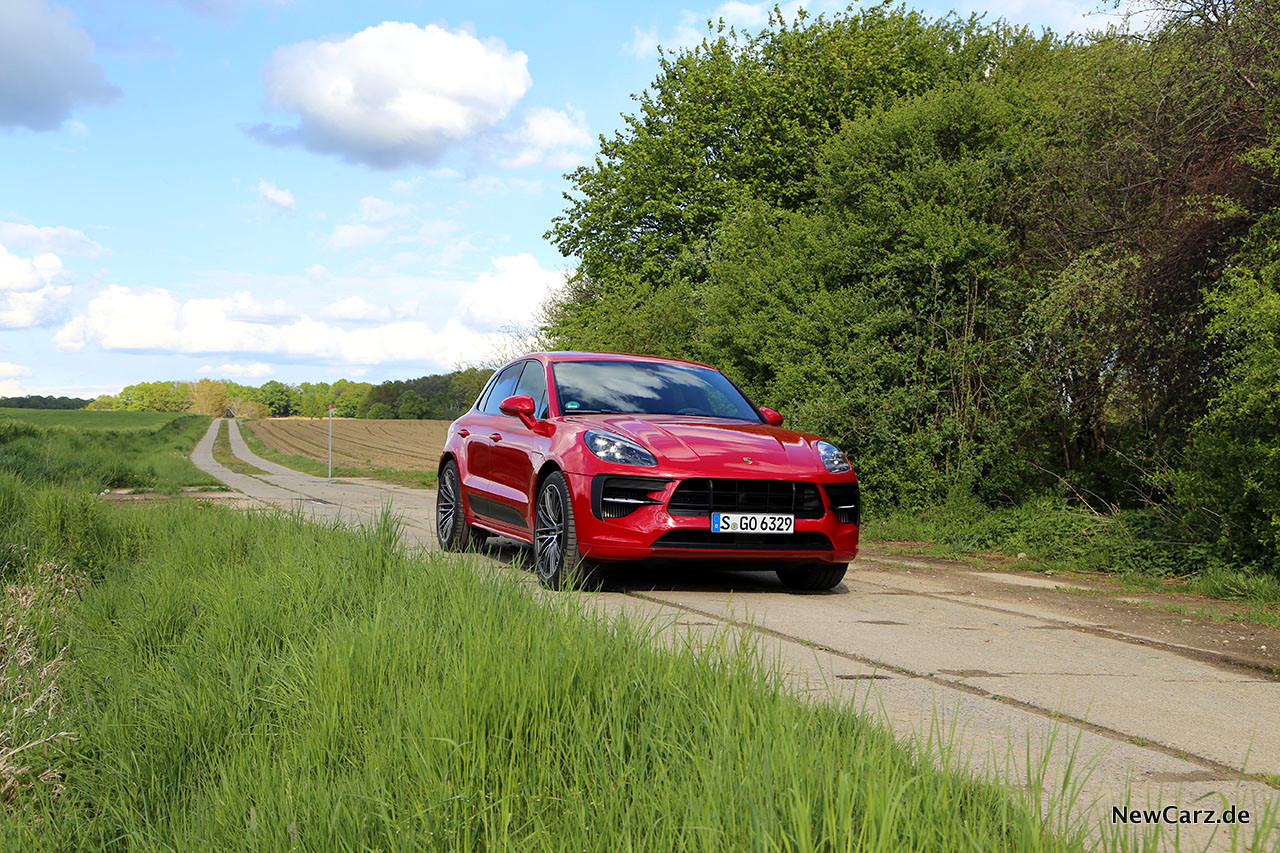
[(140, 458), (303, 446), (183, 676), (92, 420)]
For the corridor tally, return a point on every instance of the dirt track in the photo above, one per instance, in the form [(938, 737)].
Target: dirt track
[(358, 442), (1016, 670)]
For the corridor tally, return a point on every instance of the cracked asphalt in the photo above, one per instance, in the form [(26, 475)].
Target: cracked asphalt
[(1021, 673)]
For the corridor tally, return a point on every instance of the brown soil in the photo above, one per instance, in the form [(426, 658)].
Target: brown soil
[(358, 442)]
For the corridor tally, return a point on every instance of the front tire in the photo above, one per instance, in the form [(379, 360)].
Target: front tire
[(813, 577), (556, 558), (452, 530)]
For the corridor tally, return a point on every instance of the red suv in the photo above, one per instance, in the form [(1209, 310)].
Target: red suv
[(596, 457)]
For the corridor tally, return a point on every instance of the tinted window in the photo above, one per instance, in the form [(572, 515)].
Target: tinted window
[(534, 383), (503, 387), (648, 388)]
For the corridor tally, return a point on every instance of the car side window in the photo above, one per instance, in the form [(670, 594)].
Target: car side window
[(534, 383), (484, 393), (503, 387)]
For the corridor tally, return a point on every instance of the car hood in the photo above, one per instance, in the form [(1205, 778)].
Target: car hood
[(715, 442)]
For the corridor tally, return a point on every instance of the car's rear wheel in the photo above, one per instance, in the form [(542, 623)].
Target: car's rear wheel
[(555, 537), (452, 530), (813, 576)]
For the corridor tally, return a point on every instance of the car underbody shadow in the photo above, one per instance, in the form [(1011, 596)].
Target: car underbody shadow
[(662, 575)]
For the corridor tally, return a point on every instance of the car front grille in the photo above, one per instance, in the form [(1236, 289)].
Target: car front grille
[(846, 502), (613, 496), (703, 496), (705, 540)]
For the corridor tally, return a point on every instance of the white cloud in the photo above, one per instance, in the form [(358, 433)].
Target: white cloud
[(374, 210), (32, 292), (437, 230), (692, 28), (511, 296), (9, 370), (45, 69), (392, 94), (355, 308), (58, 239), (555, 138), (237, 371), (11, 388), (150, 321), (405, 187), (273, 195), (354, 236), (78, 128)]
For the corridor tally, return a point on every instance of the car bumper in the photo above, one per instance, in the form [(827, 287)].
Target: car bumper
[(650, 532)]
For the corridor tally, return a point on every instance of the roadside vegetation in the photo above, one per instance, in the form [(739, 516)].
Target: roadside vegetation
[(317, 467), (106, 456), (85, 420), (1030, 283), (184, 676)]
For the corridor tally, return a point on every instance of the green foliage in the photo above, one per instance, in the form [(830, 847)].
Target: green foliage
[(281, 399), (411, 406), (380, 411), (35, 401), (986, 262)]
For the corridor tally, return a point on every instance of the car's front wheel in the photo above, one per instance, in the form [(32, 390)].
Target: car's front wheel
[(813, 576), (555, 538)]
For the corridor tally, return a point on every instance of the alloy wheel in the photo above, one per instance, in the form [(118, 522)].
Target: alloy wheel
[(548, 531), (447, 507)]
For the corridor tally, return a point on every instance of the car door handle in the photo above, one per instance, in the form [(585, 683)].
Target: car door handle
[(496, 436), (463, 433)]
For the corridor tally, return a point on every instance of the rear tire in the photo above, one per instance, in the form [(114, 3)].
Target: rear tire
[(556, 557), (813, 576), (452, 530)]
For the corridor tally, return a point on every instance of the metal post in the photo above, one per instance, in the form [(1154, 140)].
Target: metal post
[(331, 442)]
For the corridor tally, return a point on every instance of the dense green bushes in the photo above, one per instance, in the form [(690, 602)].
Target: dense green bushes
[(988, 262)]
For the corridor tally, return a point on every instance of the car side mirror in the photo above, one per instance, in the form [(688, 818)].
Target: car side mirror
[(771, 417), (519, 406)]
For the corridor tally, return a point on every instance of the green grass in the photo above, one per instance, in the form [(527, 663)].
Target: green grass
[(223, 455), (307, 465), (92, 420), (155, 459), (239, 680)]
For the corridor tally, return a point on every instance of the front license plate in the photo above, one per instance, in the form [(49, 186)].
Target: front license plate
[(751, 522)]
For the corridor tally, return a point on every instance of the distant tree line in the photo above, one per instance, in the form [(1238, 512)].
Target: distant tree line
[(991, 263), (34, 401), (442, 396)]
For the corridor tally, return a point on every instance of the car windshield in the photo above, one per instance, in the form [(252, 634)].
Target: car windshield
[(649, 388)]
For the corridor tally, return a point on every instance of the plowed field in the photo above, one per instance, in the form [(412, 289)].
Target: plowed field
[(357, 442)]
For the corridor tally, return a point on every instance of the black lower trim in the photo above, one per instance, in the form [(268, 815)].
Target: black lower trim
[(705, 540), (617, 496), (496, 510)]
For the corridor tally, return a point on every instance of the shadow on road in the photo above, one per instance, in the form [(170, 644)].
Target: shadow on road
[(661, 576)]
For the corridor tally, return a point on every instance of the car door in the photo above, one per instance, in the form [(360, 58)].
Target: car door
[(485, 496), (516, 457)]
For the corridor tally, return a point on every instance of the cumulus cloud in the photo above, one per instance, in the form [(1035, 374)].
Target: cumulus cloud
[(57, 239), (392, 94), (556, 138), (45, 66), (352, 331), (275, 196), (9, 370), (509, 296), (237, 371), (32, 292)]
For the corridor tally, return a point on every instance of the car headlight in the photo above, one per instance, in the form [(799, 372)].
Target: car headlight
[(615, 448), (834, 461)]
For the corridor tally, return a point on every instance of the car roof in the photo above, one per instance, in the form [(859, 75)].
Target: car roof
[(609, 356)]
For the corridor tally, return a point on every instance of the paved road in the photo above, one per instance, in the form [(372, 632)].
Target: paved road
[(1021, 673)]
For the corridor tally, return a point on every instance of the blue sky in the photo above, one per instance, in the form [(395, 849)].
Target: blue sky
[(305, 189)]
